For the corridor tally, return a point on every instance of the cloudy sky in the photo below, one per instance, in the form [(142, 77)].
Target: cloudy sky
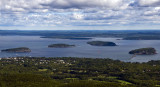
[(79, 14)]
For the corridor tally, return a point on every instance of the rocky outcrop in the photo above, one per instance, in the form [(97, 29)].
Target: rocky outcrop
[(143, 51)]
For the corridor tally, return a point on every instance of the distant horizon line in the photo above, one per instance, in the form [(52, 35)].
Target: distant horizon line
[(85, 30)]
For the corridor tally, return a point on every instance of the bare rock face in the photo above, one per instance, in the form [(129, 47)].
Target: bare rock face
[(143, 51), (19, 49)]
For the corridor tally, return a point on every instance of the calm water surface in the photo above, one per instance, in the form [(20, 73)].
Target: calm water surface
[(39, 48)]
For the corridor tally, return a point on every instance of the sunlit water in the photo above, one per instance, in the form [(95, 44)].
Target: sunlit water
[(39, 48)]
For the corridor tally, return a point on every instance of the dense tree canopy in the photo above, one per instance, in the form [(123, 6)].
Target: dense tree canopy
[(77, 72)]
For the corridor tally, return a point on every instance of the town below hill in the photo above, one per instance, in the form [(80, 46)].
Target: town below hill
[(77, 72)]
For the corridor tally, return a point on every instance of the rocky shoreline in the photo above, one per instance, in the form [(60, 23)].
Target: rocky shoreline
[(143, 51)]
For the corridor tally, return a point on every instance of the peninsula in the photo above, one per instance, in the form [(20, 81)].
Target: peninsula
[(71, 38), (142, 38)]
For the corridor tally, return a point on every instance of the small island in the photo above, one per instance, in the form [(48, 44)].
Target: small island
[(60, 46), (143, 51), (19, 49), (101, 43)]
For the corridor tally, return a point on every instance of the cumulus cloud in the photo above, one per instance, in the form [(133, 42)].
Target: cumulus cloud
[(64, 4), (149, 2), (146, 3), (78, 16), (78, 12), (45, 5)]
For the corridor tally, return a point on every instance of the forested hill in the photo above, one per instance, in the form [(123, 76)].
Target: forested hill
[(77, 72)]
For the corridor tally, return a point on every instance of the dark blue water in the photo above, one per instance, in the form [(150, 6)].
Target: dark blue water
[(39, 48)]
